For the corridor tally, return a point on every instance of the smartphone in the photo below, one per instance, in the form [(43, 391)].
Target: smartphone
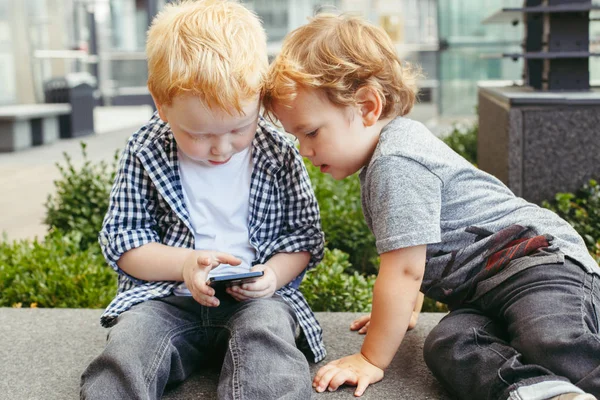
[(235, 279)]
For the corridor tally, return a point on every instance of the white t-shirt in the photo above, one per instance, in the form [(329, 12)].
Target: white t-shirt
[(217, 198)]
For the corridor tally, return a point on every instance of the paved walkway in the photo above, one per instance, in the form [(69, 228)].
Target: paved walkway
[(44, 351), (26, 177)]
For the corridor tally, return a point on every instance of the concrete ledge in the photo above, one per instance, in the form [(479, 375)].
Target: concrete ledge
[(44, 351)]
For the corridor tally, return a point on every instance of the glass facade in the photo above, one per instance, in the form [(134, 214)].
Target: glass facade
[(445, 37), (468, 50), (595, 45), (124, 45), (8, 93)]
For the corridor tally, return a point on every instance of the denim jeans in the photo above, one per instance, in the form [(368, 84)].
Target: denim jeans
[(161, 342), (534, 336)]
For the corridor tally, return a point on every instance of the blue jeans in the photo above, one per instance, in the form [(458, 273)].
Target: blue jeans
[(534, 336), (162, 342)]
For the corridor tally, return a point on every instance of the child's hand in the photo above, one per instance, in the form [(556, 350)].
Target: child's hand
[(264, 286), (195, 271), (352, 370), (361, 324), (414, 317)]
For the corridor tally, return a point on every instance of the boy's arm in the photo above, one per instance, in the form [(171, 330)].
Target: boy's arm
[(159, 262), (280, 270), (288, 266), (401, 271), (361, 324), (415, 314), (155, 262)]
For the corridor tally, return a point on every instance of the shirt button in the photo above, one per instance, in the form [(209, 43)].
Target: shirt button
[(104, 241)]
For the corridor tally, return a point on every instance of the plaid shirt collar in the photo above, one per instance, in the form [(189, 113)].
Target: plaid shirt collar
[(168, 181)]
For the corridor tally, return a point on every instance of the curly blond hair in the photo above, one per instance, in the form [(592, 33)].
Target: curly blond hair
[(213, 49), (339, 54)]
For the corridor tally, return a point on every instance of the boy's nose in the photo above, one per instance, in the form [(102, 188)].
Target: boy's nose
[(306, 151), (220, 147)]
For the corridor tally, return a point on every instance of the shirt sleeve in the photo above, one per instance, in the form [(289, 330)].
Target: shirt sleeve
[(128, 224), (302, 221), (404, 203)]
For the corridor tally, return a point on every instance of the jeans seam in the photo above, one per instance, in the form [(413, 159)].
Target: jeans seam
[(150, 375), (594, 300), (235, 378), (587, 331), (489, 348)]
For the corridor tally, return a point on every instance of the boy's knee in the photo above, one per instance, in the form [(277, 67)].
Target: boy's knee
[(436, 342), (272, 314), (455, 330)]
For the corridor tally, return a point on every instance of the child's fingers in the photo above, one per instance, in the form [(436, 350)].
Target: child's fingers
[(204, 262), (362, 385), (248, 294), (365, 328), (225, 258), (320, 373), (360, 322), (326, 378), (208, 301), (237, 296), (413, 320), (262, 284), (217, 258), (340, 377), (203, 293)]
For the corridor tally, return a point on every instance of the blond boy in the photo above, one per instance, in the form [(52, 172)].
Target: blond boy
[(523, 290), (207, 187)]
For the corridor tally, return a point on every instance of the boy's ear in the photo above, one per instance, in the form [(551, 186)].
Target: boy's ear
[(160, 109), (370, 105)]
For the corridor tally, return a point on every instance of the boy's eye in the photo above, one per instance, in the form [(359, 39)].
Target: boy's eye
[(197, 138), (312, 134)]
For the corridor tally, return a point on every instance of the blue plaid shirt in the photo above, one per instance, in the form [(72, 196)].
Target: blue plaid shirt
[(146, 205)]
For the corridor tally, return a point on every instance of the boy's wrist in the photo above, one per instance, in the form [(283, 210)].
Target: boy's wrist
[(278, 282), (371, 359), (186, 261)]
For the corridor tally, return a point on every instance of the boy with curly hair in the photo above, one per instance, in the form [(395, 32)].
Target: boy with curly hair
[(523, 289)]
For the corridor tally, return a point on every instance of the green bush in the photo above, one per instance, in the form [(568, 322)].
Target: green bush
[(332, 286), (54, 273), (582, 210), (81, 198), (343, 221), (463, 140), (430, 305)]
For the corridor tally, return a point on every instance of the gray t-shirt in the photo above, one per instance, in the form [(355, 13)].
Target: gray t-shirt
[(416, 190)]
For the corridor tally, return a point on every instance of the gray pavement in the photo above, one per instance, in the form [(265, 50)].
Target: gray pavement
[(44, 351)]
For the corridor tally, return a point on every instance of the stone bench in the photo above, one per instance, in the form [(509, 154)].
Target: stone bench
[(26, 125), (44, 351)]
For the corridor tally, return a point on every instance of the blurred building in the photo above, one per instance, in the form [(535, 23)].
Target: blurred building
[(40, 39)]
